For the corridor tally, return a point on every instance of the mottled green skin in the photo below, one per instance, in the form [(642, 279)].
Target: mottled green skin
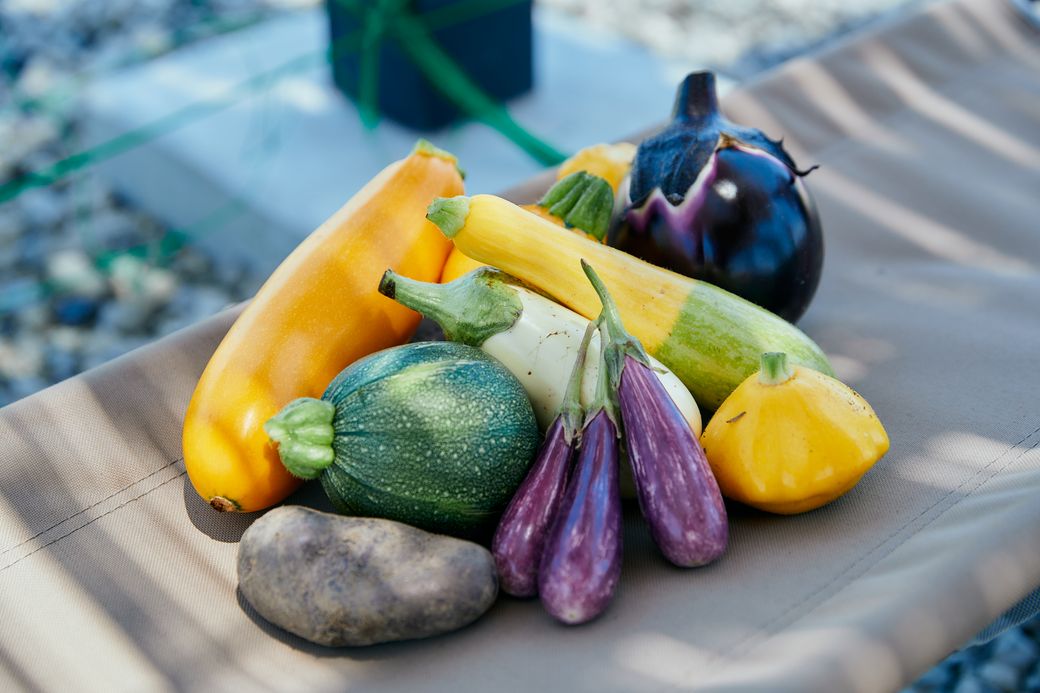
[(437, 434), (719, 338)]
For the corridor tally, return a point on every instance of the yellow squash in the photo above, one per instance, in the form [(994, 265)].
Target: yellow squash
[(710, 338), (789, 439), (317, 313), (610, 162)]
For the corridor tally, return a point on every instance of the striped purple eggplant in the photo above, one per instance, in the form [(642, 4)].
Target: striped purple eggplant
[(677, 491), (581, 564), (520, 537)]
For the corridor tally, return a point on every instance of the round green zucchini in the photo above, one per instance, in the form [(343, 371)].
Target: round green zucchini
[(435, 434)]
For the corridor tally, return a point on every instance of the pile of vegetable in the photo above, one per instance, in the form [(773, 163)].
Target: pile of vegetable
[(587, 335)]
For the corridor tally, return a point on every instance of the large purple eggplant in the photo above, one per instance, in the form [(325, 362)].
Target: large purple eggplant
[(520, 538), (723, 203), (581, 564), (677, 491)]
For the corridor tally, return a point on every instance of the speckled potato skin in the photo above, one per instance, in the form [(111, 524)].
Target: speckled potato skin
[(350, 581)]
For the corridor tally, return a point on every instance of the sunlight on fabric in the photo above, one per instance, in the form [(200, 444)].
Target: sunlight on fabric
[(928, 102), (966, 460), (1003, 574), (965, 32), (926, 233), (875, 666), (64, 612), (661, 658), (832, 99)]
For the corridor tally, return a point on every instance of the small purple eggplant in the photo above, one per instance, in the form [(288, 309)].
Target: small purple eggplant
[(677, 491), (581, 564), (520, 537)]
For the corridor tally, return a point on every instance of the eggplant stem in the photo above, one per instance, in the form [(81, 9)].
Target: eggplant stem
[(697, 99), (571, 411), (617, 338), (611, 360)]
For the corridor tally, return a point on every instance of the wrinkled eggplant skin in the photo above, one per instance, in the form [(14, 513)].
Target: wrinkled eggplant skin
[(671, 159), (752, 230), (677, 491), (581, 563), (725, 204), (520, 538)]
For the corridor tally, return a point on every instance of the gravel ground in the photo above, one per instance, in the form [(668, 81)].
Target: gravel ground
[(85, 277)]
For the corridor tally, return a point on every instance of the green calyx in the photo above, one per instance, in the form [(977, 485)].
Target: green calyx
[(611, 361), (583, 201), (571, 411), (774, 369), (470, 309), (426, 148), (617, 342), (304, 433), (449, 214)]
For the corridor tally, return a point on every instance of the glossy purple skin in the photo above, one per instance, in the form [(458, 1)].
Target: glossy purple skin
[(581, 563), (748, 225), (520, 537), (677, 491)]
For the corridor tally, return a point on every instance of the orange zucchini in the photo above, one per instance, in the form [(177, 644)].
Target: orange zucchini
[(318, 312)]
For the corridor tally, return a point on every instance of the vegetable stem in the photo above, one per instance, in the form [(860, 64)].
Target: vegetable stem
[(697, 99), (303, 431), (605, 398), (583, 201), (470, 309), (427, 148), (449, 214), (571, 411), (774, 368), (617, 342)]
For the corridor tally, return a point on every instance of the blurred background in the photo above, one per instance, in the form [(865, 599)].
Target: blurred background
[(159, 157)]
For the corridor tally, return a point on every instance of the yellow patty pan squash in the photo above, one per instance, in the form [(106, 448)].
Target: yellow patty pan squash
[(790, 439)]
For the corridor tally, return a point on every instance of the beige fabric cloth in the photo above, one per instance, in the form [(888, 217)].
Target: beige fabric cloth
[(114, 576)]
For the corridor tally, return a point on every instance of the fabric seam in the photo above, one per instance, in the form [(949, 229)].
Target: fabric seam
[(88, 509), (791, 614)]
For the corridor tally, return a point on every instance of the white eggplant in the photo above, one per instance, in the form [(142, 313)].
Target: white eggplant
[(535, 338), (540, 349)]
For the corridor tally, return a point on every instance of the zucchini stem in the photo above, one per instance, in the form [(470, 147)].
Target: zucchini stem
[(471, 309), (449, 214), (303, 430), (774, 369)]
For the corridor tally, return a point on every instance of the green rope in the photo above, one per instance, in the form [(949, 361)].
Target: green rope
[(413, 34), (414, 37), (415, 40), (146, 133)]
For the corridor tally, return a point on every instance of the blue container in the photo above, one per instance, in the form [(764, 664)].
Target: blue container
[(493, 49)]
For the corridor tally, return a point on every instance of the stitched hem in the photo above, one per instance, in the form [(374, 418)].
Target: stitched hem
[(791, 614), (92, 520)]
